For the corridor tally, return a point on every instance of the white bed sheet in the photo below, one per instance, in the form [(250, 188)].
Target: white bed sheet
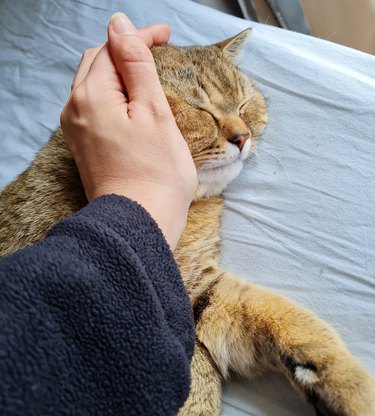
[(300, 219)]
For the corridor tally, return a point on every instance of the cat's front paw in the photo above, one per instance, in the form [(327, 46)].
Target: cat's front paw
[(336, 385)]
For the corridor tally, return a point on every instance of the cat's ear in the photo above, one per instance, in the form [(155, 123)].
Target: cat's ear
[(233, 46)]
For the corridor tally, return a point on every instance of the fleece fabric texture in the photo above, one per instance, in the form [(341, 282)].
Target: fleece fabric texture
[(95, 319)]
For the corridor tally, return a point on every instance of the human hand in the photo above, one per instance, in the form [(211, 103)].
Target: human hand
[(129, 144)]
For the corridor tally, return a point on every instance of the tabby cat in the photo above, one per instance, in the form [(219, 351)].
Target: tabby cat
[(240, 327)]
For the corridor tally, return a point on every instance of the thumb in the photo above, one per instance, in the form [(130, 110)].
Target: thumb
[(133, 60)]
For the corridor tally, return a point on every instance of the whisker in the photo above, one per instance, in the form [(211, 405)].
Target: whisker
[(269, 153), (279, 160), (333, 34), (254, 152)]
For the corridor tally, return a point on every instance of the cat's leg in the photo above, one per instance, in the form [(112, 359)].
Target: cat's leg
[(248, 330), (205, 389)]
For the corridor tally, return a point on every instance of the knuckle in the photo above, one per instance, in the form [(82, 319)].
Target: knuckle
[(76, 110), (63, 117), (78, 99)]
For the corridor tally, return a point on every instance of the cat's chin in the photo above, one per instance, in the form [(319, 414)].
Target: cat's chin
[(212, 181)]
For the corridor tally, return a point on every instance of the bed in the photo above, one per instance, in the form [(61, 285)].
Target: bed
[(300, 219)]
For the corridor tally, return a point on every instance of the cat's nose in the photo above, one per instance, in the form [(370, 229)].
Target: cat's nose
[(239, 139)]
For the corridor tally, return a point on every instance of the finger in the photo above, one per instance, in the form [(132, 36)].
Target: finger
[(155, 34), (134, 61), (103, 80), (84, 65)]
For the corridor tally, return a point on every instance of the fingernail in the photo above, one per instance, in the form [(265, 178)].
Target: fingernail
[(121, 24)]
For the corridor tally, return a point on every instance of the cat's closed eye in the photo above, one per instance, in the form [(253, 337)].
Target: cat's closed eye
[(205, 111), (242, 107)]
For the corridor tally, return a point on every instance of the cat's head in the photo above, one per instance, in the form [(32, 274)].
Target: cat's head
[(217, 108)]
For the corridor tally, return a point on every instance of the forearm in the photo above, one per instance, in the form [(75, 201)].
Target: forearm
[(96, 318)]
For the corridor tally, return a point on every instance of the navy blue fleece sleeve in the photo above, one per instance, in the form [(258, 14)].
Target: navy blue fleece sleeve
[(95, 319)]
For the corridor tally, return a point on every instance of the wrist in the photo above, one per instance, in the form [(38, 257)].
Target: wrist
[(166, 205), (168, 212)]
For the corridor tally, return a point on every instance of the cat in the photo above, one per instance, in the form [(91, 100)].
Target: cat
[(241, 327)]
